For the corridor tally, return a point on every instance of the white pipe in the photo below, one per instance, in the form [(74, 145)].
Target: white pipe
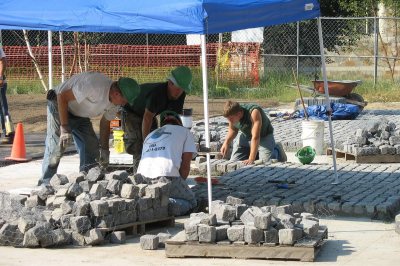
[(50, 48), (62, 56), (206, 121), (328, 101)]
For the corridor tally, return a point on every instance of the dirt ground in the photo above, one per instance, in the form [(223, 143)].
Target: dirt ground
[(30, 109)]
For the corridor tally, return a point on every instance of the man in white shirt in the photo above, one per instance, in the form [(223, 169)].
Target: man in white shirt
[(166, 156), (69, 109)]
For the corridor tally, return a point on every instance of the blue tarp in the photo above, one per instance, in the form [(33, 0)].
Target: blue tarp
[(340, 111), (152, 16)]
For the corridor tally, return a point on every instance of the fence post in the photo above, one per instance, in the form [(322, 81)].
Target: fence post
[(376, 50)]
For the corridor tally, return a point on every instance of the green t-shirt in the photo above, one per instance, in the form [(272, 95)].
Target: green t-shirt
[(154, 97), (245, 123)]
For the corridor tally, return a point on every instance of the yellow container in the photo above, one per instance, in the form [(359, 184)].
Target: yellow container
[(119, 146)]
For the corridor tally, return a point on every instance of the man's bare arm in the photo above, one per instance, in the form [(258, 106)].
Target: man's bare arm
[(185, 165), (146, 123), (232, 133), (62, 99), (104, 133), (255, 135)]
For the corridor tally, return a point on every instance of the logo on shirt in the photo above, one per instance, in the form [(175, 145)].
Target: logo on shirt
[(160, 134)]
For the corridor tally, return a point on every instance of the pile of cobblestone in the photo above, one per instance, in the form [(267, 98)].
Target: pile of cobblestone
[(74, 209), (237, 223), (218, 130), (376, 137)]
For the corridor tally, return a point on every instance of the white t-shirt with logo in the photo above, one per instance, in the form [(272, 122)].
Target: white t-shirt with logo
[(91, 91), (163, 149)]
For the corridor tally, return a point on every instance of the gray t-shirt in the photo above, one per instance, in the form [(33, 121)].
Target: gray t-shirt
[(91, 91)]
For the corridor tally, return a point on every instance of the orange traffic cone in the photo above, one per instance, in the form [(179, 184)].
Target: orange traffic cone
[(18, 152)]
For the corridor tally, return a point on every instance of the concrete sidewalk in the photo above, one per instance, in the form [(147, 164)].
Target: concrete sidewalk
[(351, 241)]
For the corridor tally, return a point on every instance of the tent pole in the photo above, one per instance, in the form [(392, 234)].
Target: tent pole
[(62, 56), (327, 100), (50, 51), (206, 121)]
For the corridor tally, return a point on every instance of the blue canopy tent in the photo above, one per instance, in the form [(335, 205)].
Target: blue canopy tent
[(163, 17)]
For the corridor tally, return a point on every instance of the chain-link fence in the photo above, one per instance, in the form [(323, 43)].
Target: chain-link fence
[(356, 48)]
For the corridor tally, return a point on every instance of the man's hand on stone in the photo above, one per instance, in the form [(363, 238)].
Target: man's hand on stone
[(224, 150), (248, 162), (65, 137)]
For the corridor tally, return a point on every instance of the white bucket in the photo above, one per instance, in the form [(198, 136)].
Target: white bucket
[(186, 118), (312, 134)]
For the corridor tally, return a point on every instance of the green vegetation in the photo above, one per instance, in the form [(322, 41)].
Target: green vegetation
[(24, 87), (273, 86)]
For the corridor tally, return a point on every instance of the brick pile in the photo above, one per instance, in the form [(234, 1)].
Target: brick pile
[(153, 242), (218, 131), (376, 137), (73, 209), (234, 222)]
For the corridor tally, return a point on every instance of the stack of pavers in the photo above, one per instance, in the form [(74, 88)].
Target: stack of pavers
[(218, 131), (236, 223), (76, 209), (377, 137)]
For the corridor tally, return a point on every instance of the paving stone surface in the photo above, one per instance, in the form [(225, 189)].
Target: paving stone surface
[(366, 190)]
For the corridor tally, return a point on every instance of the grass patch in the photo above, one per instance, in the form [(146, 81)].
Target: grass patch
[(273, 85)]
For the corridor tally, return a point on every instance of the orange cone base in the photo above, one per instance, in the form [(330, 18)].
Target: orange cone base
[(18, 159), (18, 151)]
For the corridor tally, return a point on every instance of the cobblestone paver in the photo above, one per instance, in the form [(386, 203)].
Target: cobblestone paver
[(364, 190), (367, 190), (288, 132)]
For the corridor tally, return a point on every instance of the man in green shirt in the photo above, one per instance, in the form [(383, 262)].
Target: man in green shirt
[(252, 133), (139, 118)]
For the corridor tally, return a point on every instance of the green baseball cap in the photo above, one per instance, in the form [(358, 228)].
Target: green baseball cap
[(166, 113), (182, 78), (130, 89)]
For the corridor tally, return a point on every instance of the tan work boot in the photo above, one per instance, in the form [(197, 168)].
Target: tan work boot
[(8, 139)]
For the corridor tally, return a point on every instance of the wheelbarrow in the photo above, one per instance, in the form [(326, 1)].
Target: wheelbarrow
[(337, 88)]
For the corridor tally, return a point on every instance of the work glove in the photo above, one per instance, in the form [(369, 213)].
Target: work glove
[(104, 158), (65, 137)]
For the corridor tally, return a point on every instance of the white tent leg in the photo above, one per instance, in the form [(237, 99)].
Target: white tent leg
[(62, 56), (328, 101), (206, 121), (50, 52)]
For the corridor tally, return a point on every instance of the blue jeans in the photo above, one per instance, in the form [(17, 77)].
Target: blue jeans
[(86, 142), (241, 148), (4, 107)]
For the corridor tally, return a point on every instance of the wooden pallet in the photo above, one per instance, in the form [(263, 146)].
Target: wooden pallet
[(378, 158), (140, 227), (304, 250)]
